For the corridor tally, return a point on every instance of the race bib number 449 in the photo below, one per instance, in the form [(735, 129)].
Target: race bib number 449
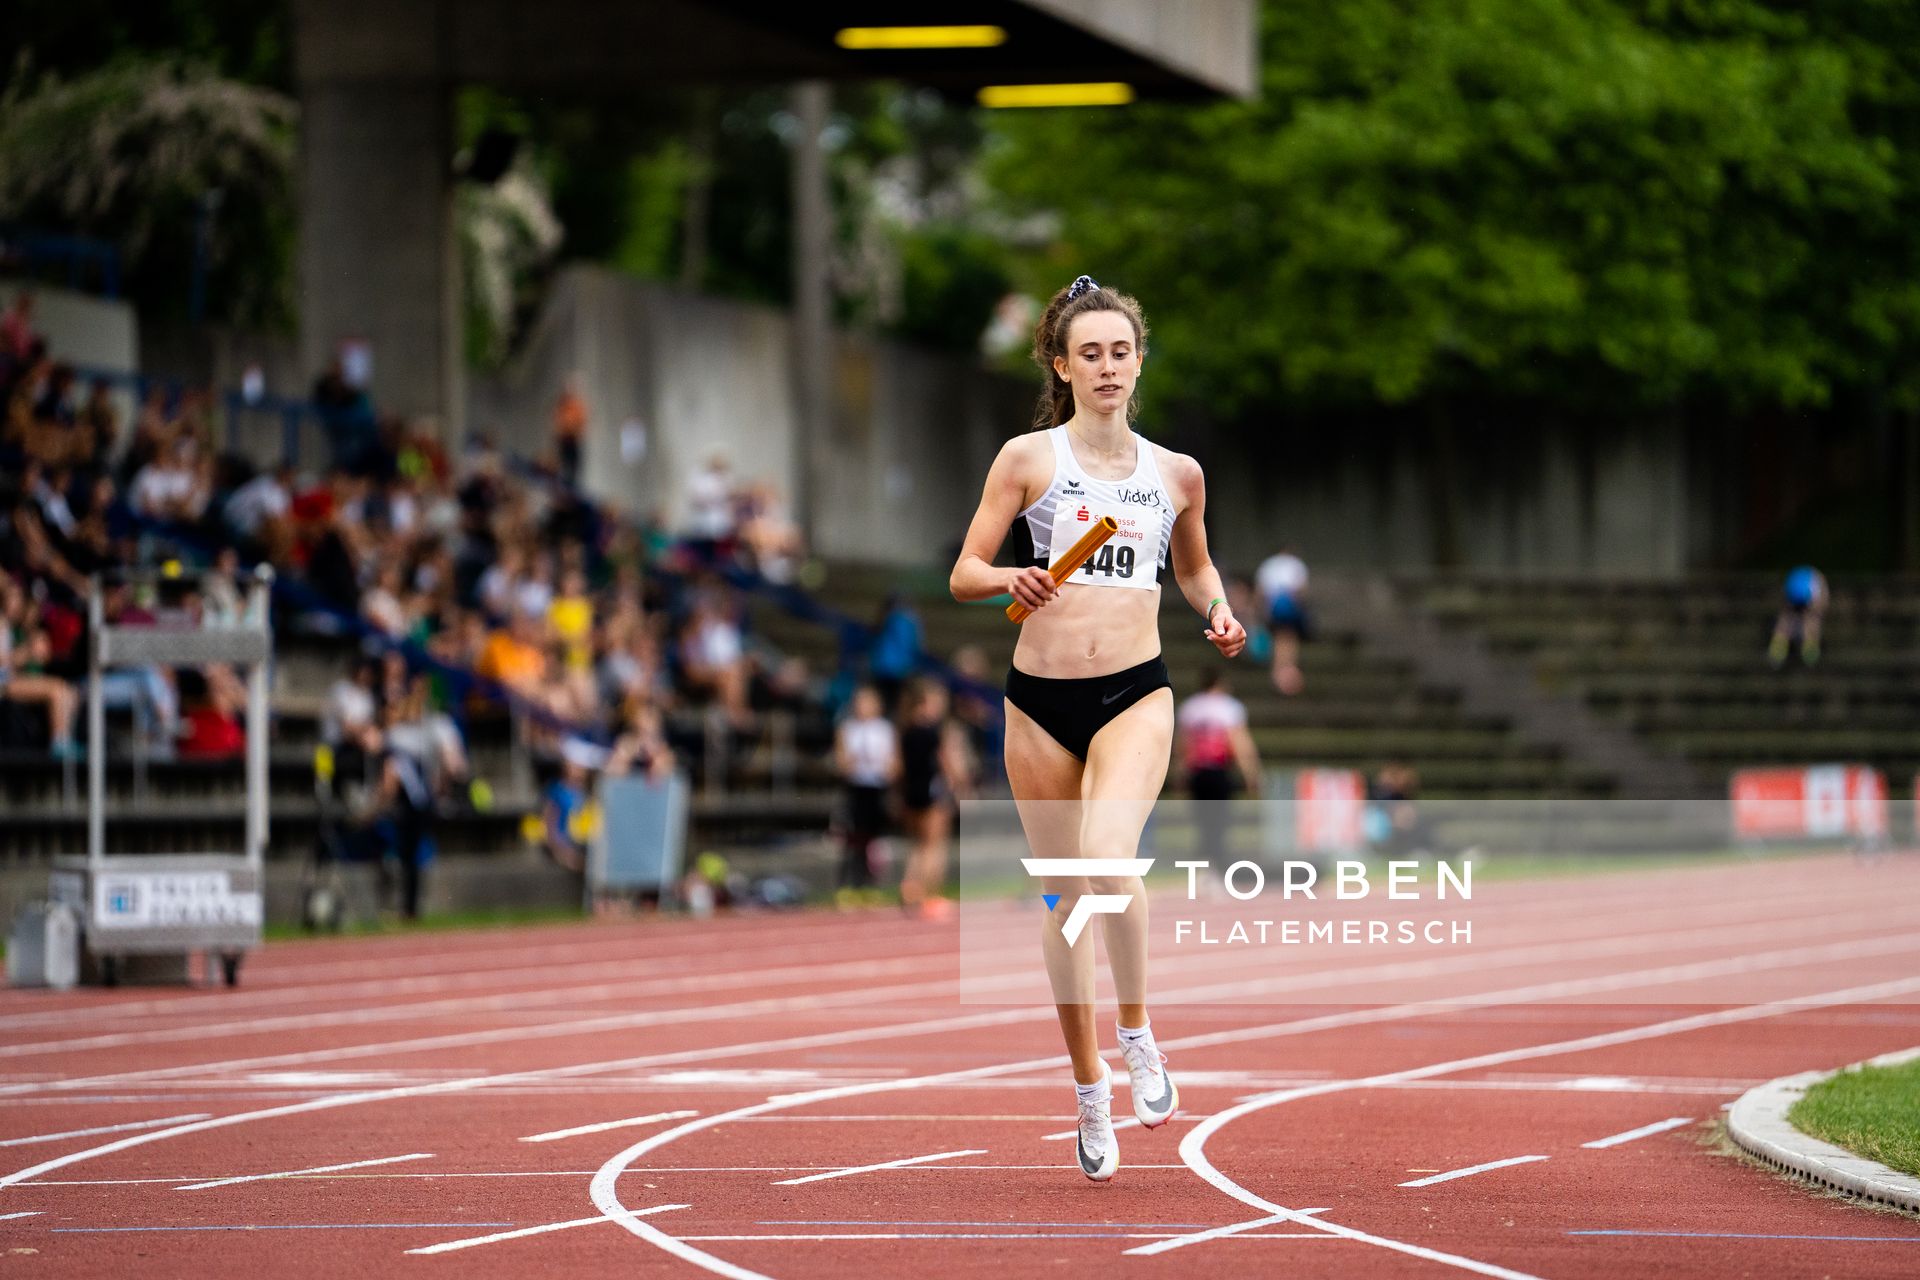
[(1124, 560)]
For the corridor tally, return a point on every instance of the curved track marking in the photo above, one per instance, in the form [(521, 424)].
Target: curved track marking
[(1193, 1146), (604, 1187)]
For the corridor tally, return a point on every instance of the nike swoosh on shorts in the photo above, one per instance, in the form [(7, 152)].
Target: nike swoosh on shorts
[(1110, 698)]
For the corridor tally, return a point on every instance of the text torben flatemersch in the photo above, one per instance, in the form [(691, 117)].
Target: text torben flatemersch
[(1247, 881)]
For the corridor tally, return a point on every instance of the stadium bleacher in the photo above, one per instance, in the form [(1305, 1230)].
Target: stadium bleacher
[(1683, 664)]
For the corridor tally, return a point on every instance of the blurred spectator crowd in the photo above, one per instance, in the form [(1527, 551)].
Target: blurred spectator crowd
[(619, 646)]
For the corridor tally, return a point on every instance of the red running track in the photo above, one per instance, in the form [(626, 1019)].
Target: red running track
[(395, 1084)]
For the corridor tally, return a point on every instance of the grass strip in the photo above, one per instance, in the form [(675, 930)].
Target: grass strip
[(1871, 1111)]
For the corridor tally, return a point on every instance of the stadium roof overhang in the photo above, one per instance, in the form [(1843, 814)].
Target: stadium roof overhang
[(1160, 48)]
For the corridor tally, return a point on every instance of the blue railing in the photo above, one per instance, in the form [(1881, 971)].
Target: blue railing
[(78, 252)]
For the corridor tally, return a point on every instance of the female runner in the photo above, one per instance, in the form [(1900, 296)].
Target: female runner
[(1089, 705)]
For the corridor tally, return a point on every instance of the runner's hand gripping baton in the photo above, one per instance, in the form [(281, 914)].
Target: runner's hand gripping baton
[(1069, 564)]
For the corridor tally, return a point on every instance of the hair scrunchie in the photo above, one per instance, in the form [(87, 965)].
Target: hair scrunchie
[(1084, 284)]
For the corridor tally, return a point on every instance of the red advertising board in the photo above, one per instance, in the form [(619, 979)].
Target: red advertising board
[(1821, 802), (1328, 810)]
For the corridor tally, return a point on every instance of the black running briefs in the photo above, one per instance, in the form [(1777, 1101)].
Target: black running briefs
[(1072, 711)]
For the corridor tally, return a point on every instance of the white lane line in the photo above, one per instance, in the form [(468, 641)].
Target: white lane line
[(295, 1173), (588, 1173), (327, 980), (30, 1213), (1193, 1146), (605, 1125), (1131, 1122), (869, 1168), (575, 1027), (533, 965), (105, 1128), (1608, 944), (523, 1232), (1471, 1169), (604, 1187), (546, 1001), (1232, 1229), (1644, 1131), (1089, 1234)]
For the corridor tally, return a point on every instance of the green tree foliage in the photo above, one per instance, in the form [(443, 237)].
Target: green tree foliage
[(1589, 203), (128, 154)]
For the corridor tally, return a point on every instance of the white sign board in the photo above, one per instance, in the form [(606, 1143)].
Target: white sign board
[(171, 899)]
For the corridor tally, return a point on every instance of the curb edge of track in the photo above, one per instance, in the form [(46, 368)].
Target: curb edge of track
[(1758, 1124)]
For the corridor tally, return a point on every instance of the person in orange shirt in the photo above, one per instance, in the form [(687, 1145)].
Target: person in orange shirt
[(512, 655), (569, 428)]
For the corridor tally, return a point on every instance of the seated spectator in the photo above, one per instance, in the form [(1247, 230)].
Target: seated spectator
[(634, 669), (350, 703), (215, 700), (151, 692), (567, 808), (16, 329), (171, 487), (513, 656), (500, 583), (570, 615), (713, 656), (24, 654), (257, 512), (382, 604), (772, 542), (48, 489), (100, 418), (641, 749)]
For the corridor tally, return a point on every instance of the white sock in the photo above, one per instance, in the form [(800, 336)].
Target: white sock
[(1141, 1035), (1100, 1092)]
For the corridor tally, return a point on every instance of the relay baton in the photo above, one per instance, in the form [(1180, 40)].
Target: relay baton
[(1090, 541)]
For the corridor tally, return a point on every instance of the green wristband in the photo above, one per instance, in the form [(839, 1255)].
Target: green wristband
[(1217, 600)]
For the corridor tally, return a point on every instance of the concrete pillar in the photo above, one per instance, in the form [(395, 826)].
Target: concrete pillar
[(812, 299), (378, 258)]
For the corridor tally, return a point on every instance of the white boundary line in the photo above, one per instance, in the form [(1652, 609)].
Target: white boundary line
[(523, 1232), (1219, 1233), (869, 1168), (1193, 1146), (1609, 944), (604, 1188), (295, 1173), (542, 1000), (1644, 1131), (604, 1125), (1091, 1232), (1471, 1169), (105, 1128)]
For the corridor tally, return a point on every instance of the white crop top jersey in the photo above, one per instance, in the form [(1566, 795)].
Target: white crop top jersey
[(1074, 500)]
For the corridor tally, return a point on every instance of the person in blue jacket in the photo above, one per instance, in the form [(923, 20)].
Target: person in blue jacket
[(1800, 614)]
